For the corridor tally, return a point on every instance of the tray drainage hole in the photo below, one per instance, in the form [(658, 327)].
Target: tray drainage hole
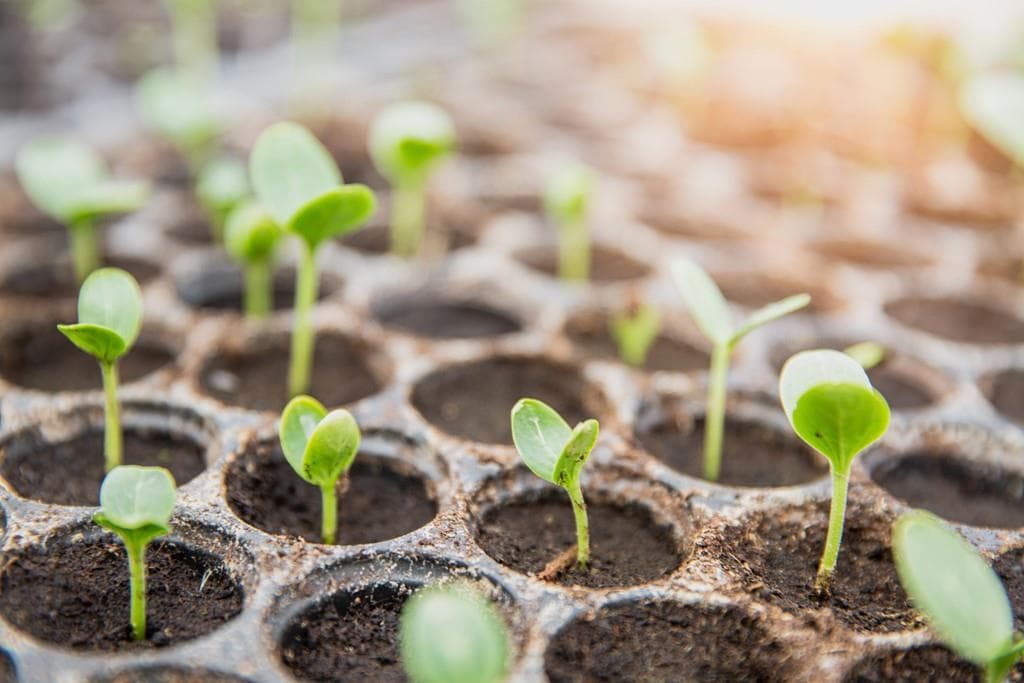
[(218, 286), (50, 278), (606, 265), (954, 488), (922, 663), (666, 641), (959, 321), (168, 674), (436, 317), (591, 338), (384, 497), (74, 593), (1006, 393)]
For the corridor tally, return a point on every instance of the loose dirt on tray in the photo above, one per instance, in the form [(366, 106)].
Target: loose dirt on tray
[(924, 663), (158, 674)]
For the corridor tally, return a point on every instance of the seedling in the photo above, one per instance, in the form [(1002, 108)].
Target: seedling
[(958, 593), (567, 204), (993, 103), (181, 108), (298, 182), (832, 406), (194, 25), (314, 23), (109, 319), (221, 186), (136, 504), (634, 331), (407, 142), (452, 634), (556, 453), (251, 238), (710, 312), (69, 182), (320, 446), (869, 354)]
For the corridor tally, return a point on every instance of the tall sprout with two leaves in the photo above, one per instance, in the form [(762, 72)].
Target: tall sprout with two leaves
[(109, 320), (711, 313), (70, 183), (251, 237), (299, 183), (832, 406), (556, 453), (567, 196)]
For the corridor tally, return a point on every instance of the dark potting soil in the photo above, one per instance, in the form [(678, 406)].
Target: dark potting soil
[(56, 280), (666, 642), (8, 674), (256, 377), (222, 289), (441, 319), (959, 321), (923, 663), (70, 472), (954, 488), (776, 560), (191, 225), (592, 339), (377, 502), (74, 593), (752, 454), (1007, 394), (871, 254), (161, 674), (473, 400), (627, 547), (1010, 568), (606, 265)]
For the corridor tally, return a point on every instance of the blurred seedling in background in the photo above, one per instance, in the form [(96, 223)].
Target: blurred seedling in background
[(299, 183), (452, 634), (711, 313), (136, 504), (868, 354), (408, 141), (221, 185), (320, 446), (832, 406), (634, 330), (182, 109), (493, 22), (556, 453), (251, 237), (958, 593), (69, 182), (109, 320), (194, 27), (567, 196), (315, 24)]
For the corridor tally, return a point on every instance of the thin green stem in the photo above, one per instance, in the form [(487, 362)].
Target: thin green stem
[(302, 328), (195, 36), (836, 516), (257, 289), (84, 249), (714, 417), (329, 514), (407, 217), (579, 508), (112, 435), (137, 573), (574, 251)]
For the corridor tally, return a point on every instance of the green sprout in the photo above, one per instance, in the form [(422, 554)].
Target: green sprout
[(221, 185), (109, 319), (832, 406), (556, 453), (136, 504), (181, 108), (320, 446), (958, 593), (710, 312), (452, 634), (70, 183), (993, 104), (634, 331), (194, 24), (299, 183), (868, 353), (407, 142), (251, 237), (567, 196)]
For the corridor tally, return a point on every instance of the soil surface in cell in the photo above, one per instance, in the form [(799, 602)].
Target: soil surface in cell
[(7, 671), (675, 224), (958, 321), (954, 488), (375, 503), (376, 239), (538, 537), (75, 594), (159, 674), (752, 454), (46, 279), (223, 290), (924, 663), (441, 319), (775, 558), (754, 292), (606, 265), (666, 641), (473, 400), (1007, 394), (256, 377), (1010, 568), (870, 254), (592, 339)]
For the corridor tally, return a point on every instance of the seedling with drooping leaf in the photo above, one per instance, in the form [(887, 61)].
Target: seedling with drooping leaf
[(194, 25), (556, 453), (567, 195), (299, 183), (832, 406), (407, 142), (868, 353), (958, 593), (452, 634), (320, 446), (109, 320), (69, 182), (136, 504), (221, 185), (181, 107), (711, 313), (251, 237), (634, 331)]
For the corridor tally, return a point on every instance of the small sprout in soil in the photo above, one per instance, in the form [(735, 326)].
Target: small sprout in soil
[(556, 453), (634, 330), (195, 36), (69, 182), (959, 594), (567, 196), (299, 183), (181, 108), (710, 312), (221, 185), (407, 142), (831, 405), (109, 319), (452, 634), (320, 446), (869, 354), (251, 237), (136, 504)]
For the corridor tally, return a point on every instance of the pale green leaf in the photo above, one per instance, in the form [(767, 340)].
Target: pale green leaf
[(222, 184), (101, 343), (567, 193), (337, 212), (298, 422), (132, 497), (868, 354), (993, 104), (540, 435), (767, 314), (251, 234), (575, 453), (179, 107), (634, 331), (409, 138), (110, 298), (331, 448), (704, 299)]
